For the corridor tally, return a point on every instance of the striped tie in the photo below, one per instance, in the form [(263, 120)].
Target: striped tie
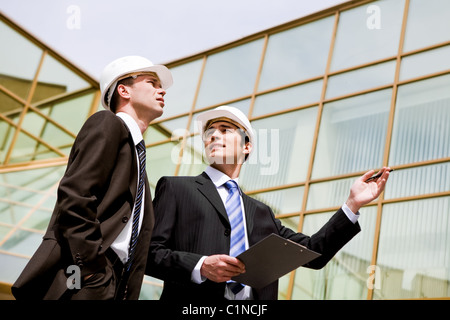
[(237, 239), (138, 202)]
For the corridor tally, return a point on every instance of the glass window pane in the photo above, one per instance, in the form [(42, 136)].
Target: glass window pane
[(282, 201), (368, 33), (161, 161), (14, 75), (417, 181), (180, 96), (230, 74), (361, 79), (329, 194), (428, 24), (352, 134), (297, 96), (425, 63), (421, 128), (282, 150), (192, 161), (72, 113), (413, 253), (55, 79), (22, 242), (12, 266), (345, 276), (297, 54)]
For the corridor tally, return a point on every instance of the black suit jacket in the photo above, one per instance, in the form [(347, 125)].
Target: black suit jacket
[(191, 222), (95, 200)]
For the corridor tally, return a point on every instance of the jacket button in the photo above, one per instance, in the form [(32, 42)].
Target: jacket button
[(125, 219), (227, 232)]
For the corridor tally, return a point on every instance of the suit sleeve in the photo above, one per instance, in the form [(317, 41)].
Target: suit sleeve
[(163, 262), (327, 241), (91, 162)]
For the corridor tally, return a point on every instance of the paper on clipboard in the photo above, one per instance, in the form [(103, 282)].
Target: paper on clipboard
[(270, 259)]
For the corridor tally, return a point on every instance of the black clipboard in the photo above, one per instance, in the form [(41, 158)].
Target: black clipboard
[(270, 259)]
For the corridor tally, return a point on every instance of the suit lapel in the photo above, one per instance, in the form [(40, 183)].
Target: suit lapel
[(208, 189), (249, 206)]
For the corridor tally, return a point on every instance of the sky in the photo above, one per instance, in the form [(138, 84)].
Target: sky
[(91, 33)]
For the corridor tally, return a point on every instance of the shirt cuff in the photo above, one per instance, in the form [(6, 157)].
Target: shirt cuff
[(353, 217), (196, 276)]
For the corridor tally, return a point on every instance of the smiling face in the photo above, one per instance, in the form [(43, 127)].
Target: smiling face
[(225, 144)]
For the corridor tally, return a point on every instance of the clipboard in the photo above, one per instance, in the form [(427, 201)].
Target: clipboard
[(270, 259)]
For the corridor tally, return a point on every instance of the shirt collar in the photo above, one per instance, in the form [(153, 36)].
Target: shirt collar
[(218, 177), (136, 133)]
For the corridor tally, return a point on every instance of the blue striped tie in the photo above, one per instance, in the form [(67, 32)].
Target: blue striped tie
[(138, 202), (237, 238)]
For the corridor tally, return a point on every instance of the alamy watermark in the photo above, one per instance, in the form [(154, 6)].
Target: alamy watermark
[(373, 21), (73, 21)]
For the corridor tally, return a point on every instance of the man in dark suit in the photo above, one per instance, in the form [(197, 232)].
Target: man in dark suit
[(96, 243), (193, 242)]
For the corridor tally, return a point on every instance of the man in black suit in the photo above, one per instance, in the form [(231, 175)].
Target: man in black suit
[(97, 240), (190, 248)]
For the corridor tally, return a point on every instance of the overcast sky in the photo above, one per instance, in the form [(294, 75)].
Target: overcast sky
[(91, 33)]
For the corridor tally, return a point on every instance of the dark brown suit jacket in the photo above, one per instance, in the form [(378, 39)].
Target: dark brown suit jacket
[(95, 200), (191, 222)]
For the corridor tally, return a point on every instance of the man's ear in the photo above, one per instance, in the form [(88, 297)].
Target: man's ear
[(123, 91), (248, 148)]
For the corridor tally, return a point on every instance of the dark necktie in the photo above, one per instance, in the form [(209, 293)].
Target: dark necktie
[(237, 238), (138, 202)]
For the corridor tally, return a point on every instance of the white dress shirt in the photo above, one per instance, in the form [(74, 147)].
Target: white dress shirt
[(219, 178), (122, 242)]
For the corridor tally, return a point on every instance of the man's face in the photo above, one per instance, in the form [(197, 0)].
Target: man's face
[(224, 143), (146, 95)]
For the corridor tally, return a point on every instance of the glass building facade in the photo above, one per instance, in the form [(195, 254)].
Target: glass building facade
[(359, 86)]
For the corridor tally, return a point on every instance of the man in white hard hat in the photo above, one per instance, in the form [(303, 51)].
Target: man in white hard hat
[(202, 223), (98, 237)]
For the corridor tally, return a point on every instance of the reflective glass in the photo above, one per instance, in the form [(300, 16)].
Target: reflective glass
[(55, 79), (292, 97), (421, 131), (12, 266), (352, 134), (8, 105), (20, 59), (282, 201), (417, 181), (361, 79), (161, 161), (192, 161), (282, 150), (425, 63), (22, 242), (151, 288), (72, 113), (328, 194), (230, 74), (427, 24), (180, 96), (367, 33), (414, 251), (6, 134), (346, 275), (297, 54)]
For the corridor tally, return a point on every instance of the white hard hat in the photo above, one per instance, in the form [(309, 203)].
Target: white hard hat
[(120, 68), (232, 113)]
